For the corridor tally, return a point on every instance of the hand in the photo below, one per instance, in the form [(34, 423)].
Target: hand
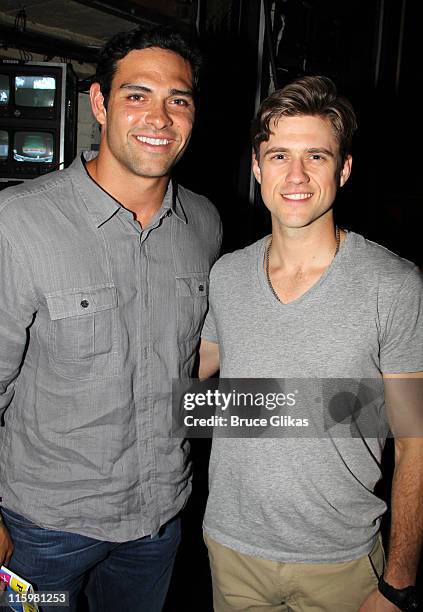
[(376, 602), (6, 549)]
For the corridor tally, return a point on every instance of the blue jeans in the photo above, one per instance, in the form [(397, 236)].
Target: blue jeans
[(131, 575)]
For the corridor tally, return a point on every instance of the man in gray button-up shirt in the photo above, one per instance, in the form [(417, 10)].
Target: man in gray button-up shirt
[(104, 277)]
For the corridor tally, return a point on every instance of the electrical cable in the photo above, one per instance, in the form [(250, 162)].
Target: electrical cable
[(269, 41), (20, 20)]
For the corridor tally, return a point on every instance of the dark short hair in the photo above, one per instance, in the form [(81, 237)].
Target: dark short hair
[(310, 95), (143, 37)]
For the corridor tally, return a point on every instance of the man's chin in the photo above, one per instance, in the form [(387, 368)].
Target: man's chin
[(151, 172)]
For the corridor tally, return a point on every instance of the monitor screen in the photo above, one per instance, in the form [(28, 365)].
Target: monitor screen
[(33, 147), (4, 144), (35, 91), (4, 89)]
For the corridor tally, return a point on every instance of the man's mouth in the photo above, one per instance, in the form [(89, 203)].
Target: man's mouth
[(156, 142), (297, 196)]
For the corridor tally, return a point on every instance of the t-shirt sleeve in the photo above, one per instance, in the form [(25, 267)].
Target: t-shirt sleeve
[(209, 331), (401, 348)]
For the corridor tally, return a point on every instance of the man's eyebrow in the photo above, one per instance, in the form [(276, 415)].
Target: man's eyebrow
[(182, 92), (145, 89), (276, 150), (323, 150), (327, 152), (135, 87)]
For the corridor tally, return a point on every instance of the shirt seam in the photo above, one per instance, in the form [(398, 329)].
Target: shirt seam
[(34, 191)]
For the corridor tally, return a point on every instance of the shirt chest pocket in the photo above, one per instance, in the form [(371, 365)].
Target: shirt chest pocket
[(192, 292), (82, 330)]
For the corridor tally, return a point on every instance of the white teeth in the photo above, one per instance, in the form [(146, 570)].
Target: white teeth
[(153, 141), (297, 196)]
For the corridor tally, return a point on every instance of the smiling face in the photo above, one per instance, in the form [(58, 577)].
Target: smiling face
[(150, 113), (298, 170)]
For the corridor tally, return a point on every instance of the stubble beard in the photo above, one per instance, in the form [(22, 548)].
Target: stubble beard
[(139, 163), (143, 166)]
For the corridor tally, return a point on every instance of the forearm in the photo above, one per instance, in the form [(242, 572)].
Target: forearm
[(406, 514), (6, 544), (209, 359)]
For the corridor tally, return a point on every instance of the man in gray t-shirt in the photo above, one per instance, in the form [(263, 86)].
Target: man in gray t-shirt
[(292, 523)]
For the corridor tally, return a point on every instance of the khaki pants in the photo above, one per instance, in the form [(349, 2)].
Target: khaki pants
[(241, 582)]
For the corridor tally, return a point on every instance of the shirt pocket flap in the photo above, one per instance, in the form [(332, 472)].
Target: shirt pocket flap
[(78, 302), (192, 285)]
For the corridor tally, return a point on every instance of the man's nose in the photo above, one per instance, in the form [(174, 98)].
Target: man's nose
[(297, 172), (158, 116)]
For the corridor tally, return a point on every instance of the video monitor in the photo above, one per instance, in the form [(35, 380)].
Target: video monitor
[(4, 89), (35, 91), (4, 144), (34, 147)]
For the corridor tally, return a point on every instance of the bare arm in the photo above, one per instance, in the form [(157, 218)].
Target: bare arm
[(6, 549), (209, 359), (6, 546), (406, 534), (406, 420), (407, 513)]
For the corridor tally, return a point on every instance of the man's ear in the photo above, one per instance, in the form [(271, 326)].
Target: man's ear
[(345, 171), (256, 169), (97, 103)]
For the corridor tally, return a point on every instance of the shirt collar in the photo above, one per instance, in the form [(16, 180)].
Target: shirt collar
[(103, 206), (176, 206)]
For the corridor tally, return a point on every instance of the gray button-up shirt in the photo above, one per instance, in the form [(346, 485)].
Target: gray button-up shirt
[(96, 317)]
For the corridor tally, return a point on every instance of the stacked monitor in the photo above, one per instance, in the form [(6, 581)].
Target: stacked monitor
[(38, 118)]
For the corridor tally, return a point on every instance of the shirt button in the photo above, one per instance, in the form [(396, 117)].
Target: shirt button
[(85, 303), (201, 288)]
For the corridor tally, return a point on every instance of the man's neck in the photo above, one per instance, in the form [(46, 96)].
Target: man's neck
[(141, 195), (305, 249)]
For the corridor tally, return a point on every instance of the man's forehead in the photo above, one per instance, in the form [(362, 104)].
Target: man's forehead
[(311, 130), (153, 62), (300, 123)]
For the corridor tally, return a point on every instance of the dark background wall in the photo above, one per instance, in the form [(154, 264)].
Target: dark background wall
[(371, 49)]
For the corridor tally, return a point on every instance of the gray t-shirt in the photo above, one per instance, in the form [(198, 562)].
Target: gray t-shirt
[(303, 499)]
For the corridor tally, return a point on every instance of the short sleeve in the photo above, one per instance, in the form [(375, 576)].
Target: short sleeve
[(209, 331), (401, 348)]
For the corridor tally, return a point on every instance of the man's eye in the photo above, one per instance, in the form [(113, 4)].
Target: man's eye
[(317, 156), (279, 156), (180, 102), (135, 97)]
